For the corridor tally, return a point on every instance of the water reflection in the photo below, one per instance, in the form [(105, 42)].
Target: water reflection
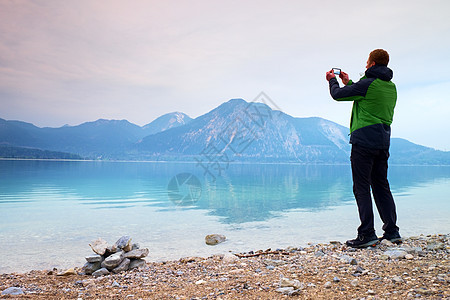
[(245, 192)]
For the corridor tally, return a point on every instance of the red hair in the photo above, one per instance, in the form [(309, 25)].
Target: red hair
[(379, 57)]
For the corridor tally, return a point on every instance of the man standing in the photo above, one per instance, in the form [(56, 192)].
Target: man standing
[(374, 97)]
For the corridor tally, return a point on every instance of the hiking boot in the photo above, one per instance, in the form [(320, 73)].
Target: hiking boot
[(392, 237), (362, 241)]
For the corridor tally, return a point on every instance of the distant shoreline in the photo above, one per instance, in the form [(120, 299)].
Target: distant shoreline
[(194, 162)]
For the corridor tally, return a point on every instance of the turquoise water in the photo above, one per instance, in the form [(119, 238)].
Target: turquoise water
[(51, 210)]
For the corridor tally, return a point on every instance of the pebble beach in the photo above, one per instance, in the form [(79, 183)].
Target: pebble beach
[(417, 268)]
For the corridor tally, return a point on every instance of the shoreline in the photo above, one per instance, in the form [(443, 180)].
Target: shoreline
[(419, 267), (195, 162)]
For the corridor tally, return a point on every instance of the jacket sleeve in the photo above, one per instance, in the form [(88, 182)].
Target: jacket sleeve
[(354, 91)]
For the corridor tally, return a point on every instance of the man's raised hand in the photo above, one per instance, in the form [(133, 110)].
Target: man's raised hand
[(344, 77)]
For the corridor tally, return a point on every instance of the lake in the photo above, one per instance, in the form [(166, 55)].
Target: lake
[(51, 210)]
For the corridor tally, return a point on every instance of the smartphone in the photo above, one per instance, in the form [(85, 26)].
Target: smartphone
[(337, 71)]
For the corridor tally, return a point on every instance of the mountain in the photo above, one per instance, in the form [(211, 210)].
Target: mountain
[(234, 131), (242, 131), (98, 139), (404, 152), (101, 139), (165, 122), (238, 130)]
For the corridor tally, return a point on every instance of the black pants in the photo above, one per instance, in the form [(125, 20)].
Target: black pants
[(369, 170)]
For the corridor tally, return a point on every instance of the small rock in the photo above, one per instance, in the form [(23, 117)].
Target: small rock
[(319, 253), (349, 260), (115, 284), (100, 272), (214, 239), (201, 281), (137, 264), (409, 256), (229, 258), (123, 266), (386, 243), (383, 257), (128, 248), (111, 249), (411, 250), (295, 292), (90, 268), (112, 261), (371, 292), (99, 246), (359, 269), (423, 291), (336, 279), (354, 282), (94, 258), (395, 253), (397, 279), (189, 259), (135, 246), (285, 282), (270, 267), (67, 272), (274, 262), (124, 243), (14, 291), (285, 290), (433, 246), (327, 285), (137, 253)]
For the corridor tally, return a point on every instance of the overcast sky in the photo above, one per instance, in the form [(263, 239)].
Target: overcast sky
[(68, 62)]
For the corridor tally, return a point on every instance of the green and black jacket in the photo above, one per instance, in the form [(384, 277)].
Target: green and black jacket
[(374, 97)]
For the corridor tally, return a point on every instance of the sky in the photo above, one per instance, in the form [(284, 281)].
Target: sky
[(73, 61)]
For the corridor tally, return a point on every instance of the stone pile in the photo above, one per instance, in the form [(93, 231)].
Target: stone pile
[(116, 258)]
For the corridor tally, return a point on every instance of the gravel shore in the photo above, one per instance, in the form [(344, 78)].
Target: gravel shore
[(418, 268)]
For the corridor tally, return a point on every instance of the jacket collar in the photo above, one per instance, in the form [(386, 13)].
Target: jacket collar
[(380, 71)]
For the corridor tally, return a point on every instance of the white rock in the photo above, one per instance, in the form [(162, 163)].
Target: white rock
[(113, 260), (12, 291), (67, 272), (396, 253), (201, 281), (229, 258), (137, 253), (386, 243), (99, 246), (94, 258), (286, 282), (285, 290)]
